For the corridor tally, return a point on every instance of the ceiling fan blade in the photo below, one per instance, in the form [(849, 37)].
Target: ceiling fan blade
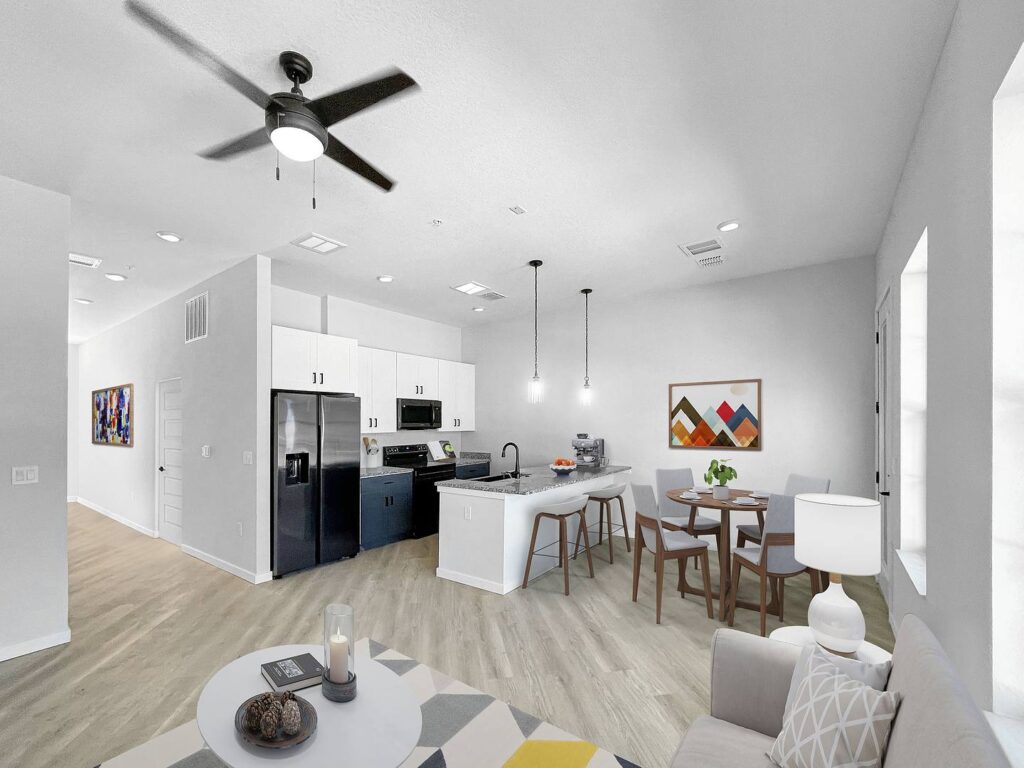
[(342, 154), (238, 145), (198, 53), (336, 106)]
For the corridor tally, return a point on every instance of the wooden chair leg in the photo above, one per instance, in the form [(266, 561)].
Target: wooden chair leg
[(774, 583), (706, 570), (586, 540), (533, 546), (764, 601), (622, 514), (638, 538), (733, 589), (659, 564), (741, 539), (782, 595), (563, 544), (682, 585)]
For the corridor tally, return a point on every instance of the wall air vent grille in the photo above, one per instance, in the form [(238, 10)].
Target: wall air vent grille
[(696, 250), (490, 295), (197, 317), (81, 260)]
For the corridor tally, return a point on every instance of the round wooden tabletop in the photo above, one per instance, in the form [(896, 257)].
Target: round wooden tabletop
[(707, 501)]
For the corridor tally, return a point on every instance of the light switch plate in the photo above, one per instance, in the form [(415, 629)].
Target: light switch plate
[(247, 457), (24, 475), (205, 451)]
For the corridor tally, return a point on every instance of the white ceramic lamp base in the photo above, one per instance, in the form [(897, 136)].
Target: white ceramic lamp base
[(836, 620)]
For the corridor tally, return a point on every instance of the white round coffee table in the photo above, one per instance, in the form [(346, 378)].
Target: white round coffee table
[(379, 729), (868, 652)]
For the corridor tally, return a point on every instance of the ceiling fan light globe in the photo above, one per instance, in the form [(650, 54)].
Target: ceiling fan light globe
[(296, 144)]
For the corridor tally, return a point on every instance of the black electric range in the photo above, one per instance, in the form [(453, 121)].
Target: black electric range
[(425, 499)]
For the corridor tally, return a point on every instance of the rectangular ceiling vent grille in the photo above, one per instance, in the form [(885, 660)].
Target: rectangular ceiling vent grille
[(710, 261), (82, 260), (317, 243), (197, 317), (491, 295), (696, 250)]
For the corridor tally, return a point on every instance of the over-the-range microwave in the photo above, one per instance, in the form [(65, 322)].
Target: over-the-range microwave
[(419, 414)]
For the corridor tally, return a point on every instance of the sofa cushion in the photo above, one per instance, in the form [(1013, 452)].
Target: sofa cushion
[(714, 743), (834, 720), (875, 675), (939, 723)]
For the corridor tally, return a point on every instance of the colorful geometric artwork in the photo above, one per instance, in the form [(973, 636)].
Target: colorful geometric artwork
[(112, 415), (715, 414)]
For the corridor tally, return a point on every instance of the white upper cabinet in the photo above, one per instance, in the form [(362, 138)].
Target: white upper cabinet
[(417, 377), (377, 379), (313, 362), (457, 393)]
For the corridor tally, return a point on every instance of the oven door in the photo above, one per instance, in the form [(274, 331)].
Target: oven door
[(419, 414)]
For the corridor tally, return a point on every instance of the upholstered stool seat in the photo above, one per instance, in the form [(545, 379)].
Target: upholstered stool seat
[(561, 513)]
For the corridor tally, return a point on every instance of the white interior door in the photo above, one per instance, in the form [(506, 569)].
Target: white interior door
[(169, 455)]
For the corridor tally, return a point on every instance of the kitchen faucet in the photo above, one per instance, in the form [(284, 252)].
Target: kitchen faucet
[(506, 445)]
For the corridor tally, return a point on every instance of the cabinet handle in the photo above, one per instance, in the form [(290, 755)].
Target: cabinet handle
[(314, 377), (370, 425), (375, 422), (321, 377)]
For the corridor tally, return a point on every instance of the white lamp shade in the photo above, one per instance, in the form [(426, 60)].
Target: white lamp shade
[(839, 534)]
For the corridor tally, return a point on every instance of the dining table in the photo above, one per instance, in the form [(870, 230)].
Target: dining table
[(724, 507)]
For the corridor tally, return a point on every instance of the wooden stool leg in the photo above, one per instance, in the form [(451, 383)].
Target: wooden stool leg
[(733, 589), (782, 595), (586, 539), (659, 564), (764, 601), (638, 538), (625, 528), (606, 508), (563, 544), (582, 527), (533, 546), (707, 582), (600, 522)]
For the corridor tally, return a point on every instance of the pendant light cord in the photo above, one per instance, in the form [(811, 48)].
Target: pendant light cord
[(535, 342), (586, 339)]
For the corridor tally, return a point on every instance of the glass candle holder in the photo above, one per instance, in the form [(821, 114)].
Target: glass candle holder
[(339, 643)]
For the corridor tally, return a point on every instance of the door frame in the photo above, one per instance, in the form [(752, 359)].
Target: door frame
[(157, 447), (886, 442)]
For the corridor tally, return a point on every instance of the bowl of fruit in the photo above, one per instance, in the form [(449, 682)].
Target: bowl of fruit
[(563, 466)]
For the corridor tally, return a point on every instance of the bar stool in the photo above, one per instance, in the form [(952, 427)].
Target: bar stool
[(604, 497), (560, 512)]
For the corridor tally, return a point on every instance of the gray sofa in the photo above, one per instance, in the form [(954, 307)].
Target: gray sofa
[(937, 723)]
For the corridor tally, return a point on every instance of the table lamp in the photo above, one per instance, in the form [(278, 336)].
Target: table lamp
[(841, 535)]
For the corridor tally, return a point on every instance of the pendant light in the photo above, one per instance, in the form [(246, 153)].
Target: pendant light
[(535, 391), (586, 393)]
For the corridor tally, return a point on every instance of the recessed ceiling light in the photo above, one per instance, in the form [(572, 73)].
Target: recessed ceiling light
[(83, 301), (384, 278), (170, 237), (84, 261), (728, 226), (479, 309), (518, 211), (116, 277), (470, 288)]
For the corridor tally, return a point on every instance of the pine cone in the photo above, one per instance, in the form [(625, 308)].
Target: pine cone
[(277, 709), (292, 718), (287, 696), (269, 723), (253, 714), (264, 700)]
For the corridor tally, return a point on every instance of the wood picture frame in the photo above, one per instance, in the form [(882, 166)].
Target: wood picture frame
[(113, 416), (720, 415)]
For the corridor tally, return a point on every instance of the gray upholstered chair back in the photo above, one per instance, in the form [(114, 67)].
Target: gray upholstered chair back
[(667, 479), (646, 505), (806, 484), (778, 518)]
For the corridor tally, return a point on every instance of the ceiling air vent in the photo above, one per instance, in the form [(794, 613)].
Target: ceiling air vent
[(196, 317), (317, 243), (710, 261), (84, 261), (696, 250), (491, 295)]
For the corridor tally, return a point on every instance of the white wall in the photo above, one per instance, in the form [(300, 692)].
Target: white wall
[(73, 408), (807, 333), (295, 309), (946, 187), (34, 227)]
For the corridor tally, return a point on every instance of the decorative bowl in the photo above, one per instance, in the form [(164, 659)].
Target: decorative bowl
[(283, 740), (562, 469)]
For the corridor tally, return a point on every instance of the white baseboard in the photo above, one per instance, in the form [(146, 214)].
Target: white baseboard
[(263, 578), (38, 644), (114, 516), (473, 581), (224, 565), (72, 499)]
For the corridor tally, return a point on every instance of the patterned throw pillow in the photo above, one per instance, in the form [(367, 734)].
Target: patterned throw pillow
[(875, 675), (834, 722)]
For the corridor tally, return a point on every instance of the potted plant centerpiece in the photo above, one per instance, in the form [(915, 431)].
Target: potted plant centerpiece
[(719, 474)]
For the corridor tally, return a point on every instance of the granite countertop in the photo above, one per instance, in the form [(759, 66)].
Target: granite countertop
[(537, 480), (378, 471), (466, 458)]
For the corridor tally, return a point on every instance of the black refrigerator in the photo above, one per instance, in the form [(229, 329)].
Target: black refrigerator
[(315, 494)]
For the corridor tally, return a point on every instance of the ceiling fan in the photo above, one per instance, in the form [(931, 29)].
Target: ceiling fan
[(295, 125)]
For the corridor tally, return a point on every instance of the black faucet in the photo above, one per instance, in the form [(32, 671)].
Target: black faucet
[(506, 445)]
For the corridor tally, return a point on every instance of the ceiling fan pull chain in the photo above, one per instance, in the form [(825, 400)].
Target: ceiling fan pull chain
[(277, 169), (314, 185)]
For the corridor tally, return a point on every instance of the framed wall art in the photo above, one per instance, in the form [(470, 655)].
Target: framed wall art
[(715, 414), (113, 421)]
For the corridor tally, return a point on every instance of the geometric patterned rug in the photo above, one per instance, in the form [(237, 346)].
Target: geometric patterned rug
[(462, 728)]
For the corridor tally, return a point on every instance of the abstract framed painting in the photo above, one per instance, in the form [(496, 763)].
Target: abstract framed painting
[(715, 414), (113, 421)]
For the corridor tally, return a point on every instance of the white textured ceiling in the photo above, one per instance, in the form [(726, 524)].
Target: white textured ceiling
[(623, 128)]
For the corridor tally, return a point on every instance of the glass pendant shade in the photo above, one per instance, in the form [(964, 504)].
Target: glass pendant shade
[(535, 393), (586, 394)]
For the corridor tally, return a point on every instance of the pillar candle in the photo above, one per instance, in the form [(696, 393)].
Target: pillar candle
[(337, 668)]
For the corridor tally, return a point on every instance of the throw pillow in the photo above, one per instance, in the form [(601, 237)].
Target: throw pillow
[(875, 675), (835, 721)]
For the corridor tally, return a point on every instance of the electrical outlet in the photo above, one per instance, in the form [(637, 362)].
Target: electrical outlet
[(247, 457), (24, 475), (205, 451), (467, 512)]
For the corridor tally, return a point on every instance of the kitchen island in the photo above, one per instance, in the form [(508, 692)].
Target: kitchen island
[(485, 527)]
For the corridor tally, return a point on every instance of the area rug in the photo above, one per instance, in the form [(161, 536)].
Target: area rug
[(462, 728)]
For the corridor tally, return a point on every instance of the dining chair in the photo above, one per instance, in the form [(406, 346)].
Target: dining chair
[(666, 545), (794, 484), (773, 559), (694, 524)]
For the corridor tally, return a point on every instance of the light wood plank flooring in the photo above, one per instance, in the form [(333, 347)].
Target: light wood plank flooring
[(150, 625)]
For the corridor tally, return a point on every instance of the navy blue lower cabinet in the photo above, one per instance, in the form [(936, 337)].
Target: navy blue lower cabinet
[(471, 471), (386, 509)]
